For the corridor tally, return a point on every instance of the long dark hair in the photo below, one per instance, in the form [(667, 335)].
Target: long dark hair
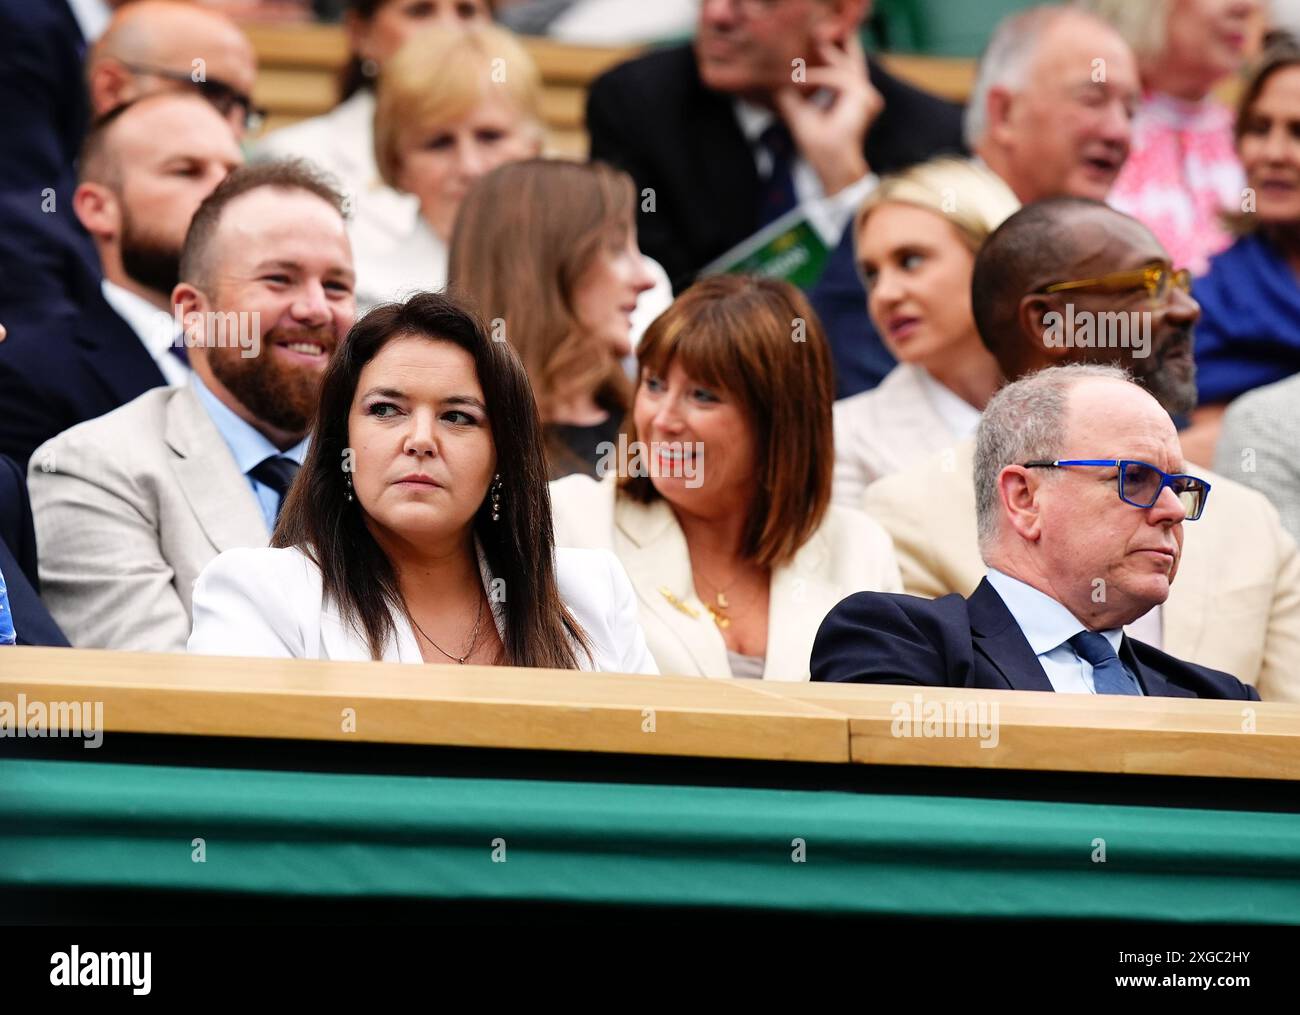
[(357, 575)]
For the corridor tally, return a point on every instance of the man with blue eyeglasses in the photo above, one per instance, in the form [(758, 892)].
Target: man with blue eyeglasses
[(1081, 498), (1236, 607)]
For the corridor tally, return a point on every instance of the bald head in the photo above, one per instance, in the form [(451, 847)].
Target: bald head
[(1070, 240), (144, 170), (187, 43)]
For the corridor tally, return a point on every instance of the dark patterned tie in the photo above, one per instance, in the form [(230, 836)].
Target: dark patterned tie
[(277, 472), (1109, 675), (777, 188)]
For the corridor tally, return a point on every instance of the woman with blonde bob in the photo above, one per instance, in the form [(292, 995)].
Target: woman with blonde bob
[(717, 498), (451, 105), (548, 251), (917, 236)]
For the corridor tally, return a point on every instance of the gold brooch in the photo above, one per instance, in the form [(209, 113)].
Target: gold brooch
[(667, 593)]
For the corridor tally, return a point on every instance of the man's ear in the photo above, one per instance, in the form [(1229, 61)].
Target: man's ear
[(109, 85), (1041, 318), (1018, 492), (98, 209), (997, 114)]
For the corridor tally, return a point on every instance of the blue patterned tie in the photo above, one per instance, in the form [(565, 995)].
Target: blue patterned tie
[(777, 195), (1109, 675), (277, 472)]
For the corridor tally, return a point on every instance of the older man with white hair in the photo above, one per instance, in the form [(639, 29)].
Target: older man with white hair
[(1081, 499), (1052, 107)]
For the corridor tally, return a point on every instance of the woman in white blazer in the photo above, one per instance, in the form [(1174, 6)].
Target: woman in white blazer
[(717, 499), (418, 528), (917, 235)]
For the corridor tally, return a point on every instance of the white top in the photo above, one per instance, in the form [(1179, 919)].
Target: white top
[(1048, 627), (958, 415), (906, 418), (92, 17), (155, 328), (269, 602)]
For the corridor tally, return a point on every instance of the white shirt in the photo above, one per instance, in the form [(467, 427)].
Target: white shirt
[(830, 215), (958, 415), (1048, 627), (92, 18), (155, 328)]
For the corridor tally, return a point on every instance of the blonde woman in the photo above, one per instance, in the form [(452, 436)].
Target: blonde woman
[(342, 141), (1182, 172), (917, 236), (452, 105)]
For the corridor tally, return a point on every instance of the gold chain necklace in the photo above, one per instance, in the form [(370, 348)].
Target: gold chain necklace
[(473, 640), (720, 605)]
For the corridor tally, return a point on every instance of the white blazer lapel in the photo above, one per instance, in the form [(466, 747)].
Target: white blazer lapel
[(218, 494), (799, 600), (654, 553)]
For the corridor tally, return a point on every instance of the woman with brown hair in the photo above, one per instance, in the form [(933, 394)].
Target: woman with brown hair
[(718, 500), (418, 528), (547, 252)]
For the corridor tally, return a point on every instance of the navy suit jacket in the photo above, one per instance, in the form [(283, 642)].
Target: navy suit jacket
[(654, 118), (32, 621), (886, 638), (58, 369), (44, 253)]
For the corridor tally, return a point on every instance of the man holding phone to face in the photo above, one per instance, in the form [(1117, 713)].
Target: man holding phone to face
[(774, 104)]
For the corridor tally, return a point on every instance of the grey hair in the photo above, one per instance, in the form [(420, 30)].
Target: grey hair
[(1005, 63), (1023, 422)]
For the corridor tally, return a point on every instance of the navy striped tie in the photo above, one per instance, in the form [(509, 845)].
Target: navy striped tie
[(1109, 675)]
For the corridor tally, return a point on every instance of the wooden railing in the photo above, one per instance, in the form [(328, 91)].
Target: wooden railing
[(567, 711)]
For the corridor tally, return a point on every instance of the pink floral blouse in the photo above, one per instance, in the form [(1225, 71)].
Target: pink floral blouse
[(1181, 173)]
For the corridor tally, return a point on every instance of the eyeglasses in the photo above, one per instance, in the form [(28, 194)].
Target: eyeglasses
[(223, 97), (1155, 278), (1141, 483)]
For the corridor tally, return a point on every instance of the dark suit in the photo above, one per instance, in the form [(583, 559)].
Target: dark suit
[(654, 117), (884, 638), (32, 621), (44, 252), (77, 363)]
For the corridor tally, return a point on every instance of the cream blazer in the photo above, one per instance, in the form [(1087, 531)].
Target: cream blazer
[(269, 602), (887, 429), (129, 508), (1235, 605), (849, 553)]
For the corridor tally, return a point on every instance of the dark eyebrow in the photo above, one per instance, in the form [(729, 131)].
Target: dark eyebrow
[(469, 400), (385, 393)]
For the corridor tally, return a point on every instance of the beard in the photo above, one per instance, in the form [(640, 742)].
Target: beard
[(148, 260), (1169, 374), (276, 392)]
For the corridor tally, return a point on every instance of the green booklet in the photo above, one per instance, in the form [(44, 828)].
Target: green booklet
[(790, 247)]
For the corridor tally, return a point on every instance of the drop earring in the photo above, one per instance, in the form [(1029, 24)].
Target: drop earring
[(347, 487), (495, 493)]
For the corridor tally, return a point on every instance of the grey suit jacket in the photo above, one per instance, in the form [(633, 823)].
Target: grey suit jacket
[(129, 508), (1259, 446)]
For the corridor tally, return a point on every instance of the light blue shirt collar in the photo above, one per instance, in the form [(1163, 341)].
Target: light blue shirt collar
[(1045, 623), (249, 446)]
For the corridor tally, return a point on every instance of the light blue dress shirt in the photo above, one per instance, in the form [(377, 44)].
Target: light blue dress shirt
[(1048, 627), (249, 447)]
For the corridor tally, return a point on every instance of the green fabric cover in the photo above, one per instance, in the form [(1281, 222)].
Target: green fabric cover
[(131, 826)]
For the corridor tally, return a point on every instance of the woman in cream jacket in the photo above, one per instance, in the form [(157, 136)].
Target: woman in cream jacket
[(717, 499)]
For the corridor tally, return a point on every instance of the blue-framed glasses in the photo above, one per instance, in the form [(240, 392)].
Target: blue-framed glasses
[(1140, 483)]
